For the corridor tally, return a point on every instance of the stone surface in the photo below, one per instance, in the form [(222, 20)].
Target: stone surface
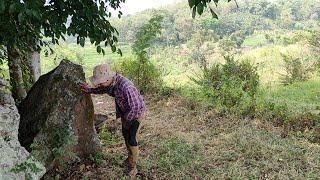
[(12, 154), (99, 120), (57, 118)]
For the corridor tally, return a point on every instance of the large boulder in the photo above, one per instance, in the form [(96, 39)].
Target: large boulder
[(15, 160), (57, 118)]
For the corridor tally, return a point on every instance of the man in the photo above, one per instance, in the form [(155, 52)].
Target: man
[(130, 107)]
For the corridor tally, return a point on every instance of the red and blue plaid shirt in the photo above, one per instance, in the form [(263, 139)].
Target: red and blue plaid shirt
[(128, 100)]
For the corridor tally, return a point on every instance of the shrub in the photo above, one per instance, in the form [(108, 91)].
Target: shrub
[(234, 83), (296, 69), (144, 75), (96, 159), (275, 113)]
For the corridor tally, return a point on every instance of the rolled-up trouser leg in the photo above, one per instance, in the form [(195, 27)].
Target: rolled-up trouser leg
[(130, 131)]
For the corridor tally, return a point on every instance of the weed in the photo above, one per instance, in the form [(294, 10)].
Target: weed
[(29, 167), (106, 137), (96, 159)]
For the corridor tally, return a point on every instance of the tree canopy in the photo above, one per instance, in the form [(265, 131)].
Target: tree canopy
[(25, 23)]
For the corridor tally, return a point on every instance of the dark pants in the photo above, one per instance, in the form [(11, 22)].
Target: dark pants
[(130, 129)]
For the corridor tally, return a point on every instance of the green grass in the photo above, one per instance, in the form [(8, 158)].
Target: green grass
[(252, 153), (300, 97), (269, 60), (229, 148), (88, 53), (175, 155), (255, 40)]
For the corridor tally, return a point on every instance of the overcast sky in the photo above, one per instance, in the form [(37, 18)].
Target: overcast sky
[(134, 6)]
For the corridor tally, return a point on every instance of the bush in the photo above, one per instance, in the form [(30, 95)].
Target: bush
[(297, 69), (275, 113), (234, 83), (145, 76), (96, 159)]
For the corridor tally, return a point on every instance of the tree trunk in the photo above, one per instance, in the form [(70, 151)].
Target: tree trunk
[(34, 65), (16, 78)]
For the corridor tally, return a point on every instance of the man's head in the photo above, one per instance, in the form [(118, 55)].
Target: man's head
[(102, 75)]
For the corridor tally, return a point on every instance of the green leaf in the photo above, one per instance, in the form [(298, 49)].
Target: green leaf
[(35, 14), (20, 17), (200, 8), (214, 15), (81, 41), (29, 12), (12, 8), (115, 39), (191, 3), (113, 48), (99, 49), (119, 52), (2, 6), (194, 12)]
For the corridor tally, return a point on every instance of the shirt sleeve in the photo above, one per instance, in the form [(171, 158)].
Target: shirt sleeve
[(98, 90), (133, 103)]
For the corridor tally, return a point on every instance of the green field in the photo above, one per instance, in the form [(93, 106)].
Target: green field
[(255, 40), (86, 56), (177, 70)]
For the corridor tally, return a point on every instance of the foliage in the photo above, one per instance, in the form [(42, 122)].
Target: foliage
[(146, 76), (96, 159), (28, 166), (297, 69), (198, 6), (277, 113), (145, 35), (106, 137), (59, 143), (199, 49), (38, 19), (140, 69), (234, 83)]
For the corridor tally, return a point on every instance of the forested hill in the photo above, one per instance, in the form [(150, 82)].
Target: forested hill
[(241, 21)]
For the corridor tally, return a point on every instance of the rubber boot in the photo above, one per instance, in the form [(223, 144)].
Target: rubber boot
[(133, 162), (129, 158)]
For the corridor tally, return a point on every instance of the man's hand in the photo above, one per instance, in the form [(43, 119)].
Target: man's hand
[(84, 87)]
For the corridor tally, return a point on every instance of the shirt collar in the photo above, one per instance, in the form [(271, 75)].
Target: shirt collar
[(116, 78)]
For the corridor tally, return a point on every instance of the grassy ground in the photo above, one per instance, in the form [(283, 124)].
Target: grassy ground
[(184, 139), (300, 97), (178, 142)]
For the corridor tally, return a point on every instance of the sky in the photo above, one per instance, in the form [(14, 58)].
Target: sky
[(134, 6)]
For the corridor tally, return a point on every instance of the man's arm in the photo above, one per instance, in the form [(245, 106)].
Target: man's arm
[(85, 88)]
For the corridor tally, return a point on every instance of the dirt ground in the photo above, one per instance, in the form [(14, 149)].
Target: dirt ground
[(184, 140)]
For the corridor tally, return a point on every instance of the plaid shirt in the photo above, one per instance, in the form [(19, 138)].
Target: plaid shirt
[(129, 102)]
